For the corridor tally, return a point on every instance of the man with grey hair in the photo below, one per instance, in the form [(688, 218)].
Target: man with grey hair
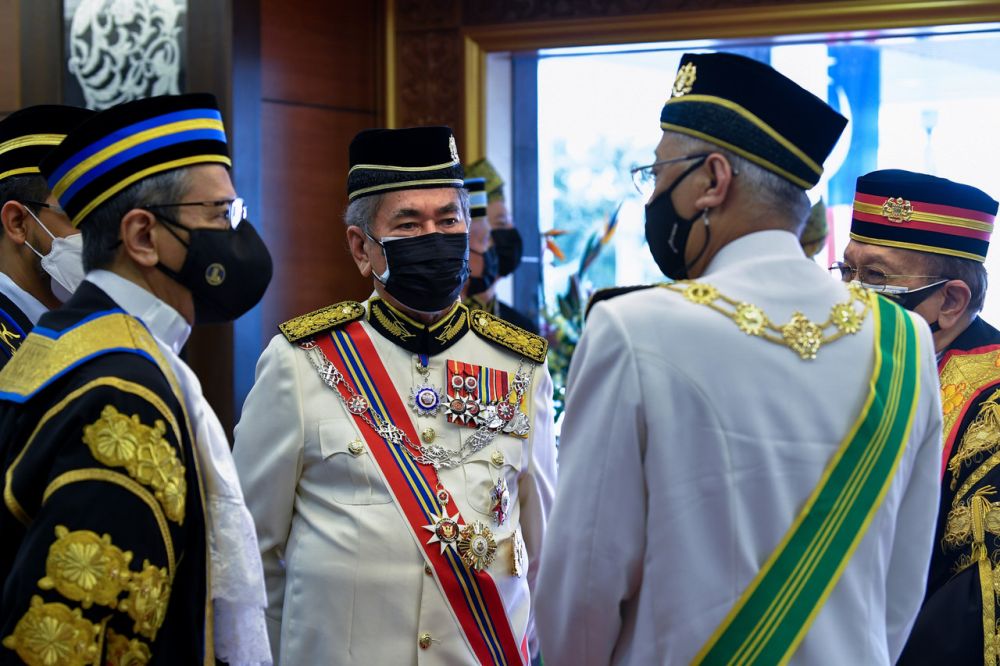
[(397, 454), (748, 463)]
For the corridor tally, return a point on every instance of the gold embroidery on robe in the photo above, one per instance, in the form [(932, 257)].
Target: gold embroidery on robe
[(962, 376), (124, 652), (121, 441), (981, 438), (53, 633), (149, 596), (85, 567)]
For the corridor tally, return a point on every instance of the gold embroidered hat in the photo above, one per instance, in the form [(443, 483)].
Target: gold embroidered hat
[(129, 142), (914, 211), (385, 160), (750, 109), (477, 196), (483, 168), (28, 135)]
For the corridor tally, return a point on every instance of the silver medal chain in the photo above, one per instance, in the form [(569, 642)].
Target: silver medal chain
[(436, 456)]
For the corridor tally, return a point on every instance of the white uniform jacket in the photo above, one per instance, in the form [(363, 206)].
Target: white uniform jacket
[(346, 582), (689, 448)]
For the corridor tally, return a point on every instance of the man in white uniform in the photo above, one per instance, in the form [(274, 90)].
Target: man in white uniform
[(749, 458), (41, 253), (397, 455)]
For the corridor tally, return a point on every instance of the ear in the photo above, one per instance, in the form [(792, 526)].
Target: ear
[(954, 304), (15, 218), (717, 179), (138, 235), (356, 239)]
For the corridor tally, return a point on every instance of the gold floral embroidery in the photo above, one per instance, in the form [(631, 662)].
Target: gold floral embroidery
[(952, 397), (8, 337), (320, 320), (394, 325), (121, 441), (50, 634), (801, 335), (456, 326), (85, 567), (516, 339), (959, 525), (981, 438), (124, 652), (149, 596)]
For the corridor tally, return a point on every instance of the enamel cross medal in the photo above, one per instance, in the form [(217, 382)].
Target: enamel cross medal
[(445, 528), (425, 399), (500, 501)]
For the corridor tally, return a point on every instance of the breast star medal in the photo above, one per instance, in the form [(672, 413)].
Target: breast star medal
[(477, 546), (517, 554), (444, 530), (500, 498)]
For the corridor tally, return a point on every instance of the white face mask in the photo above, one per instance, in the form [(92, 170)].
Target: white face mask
[(63, 263)]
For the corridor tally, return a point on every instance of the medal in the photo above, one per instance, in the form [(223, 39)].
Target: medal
[(444, 530), (500, 497), (517, 554), (425, 398), (477, 546)]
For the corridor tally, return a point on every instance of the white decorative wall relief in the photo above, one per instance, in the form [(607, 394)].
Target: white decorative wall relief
[(121, 50)]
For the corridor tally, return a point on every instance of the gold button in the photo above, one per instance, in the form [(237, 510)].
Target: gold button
[(356, 448), (497, 458), (427, 434), (428, 570), (424, 641)]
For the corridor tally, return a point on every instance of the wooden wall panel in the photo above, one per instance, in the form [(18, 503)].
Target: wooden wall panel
[(10, 57), (320, 53), (304, 188)]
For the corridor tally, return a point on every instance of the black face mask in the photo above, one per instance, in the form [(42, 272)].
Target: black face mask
[(226, 270), (667, 232), (509, 249), (425, 273), (478, 285), (911, 298)]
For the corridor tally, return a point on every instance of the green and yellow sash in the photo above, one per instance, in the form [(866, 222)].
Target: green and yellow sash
[(774, 613)]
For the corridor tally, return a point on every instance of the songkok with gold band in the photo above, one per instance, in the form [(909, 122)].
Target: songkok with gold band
[(385, 160), (132, 141), (28, 135), (914, 211), (477, 196), (750, 109), (483, 168)]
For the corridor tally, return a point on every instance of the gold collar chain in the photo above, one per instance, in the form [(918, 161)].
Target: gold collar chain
[(801, 335)]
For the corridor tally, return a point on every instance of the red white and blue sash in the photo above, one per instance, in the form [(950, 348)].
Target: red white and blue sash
[(472, 596)]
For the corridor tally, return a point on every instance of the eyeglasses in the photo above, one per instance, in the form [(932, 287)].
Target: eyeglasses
[(236, 209), (644, 177), (40, 204), (873, 277)]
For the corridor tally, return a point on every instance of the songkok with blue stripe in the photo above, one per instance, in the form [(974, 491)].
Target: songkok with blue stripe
[(386, 160), (477, 196), (28, 135), (748, 108), (130, 142)]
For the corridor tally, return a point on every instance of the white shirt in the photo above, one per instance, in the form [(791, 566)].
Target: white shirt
[(26, 303), (237, 575), (689, 448)]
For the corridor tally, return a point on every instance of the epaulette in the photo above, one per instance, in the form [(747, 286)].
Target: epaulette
[(321, 320), (611, 292), (503, 333)]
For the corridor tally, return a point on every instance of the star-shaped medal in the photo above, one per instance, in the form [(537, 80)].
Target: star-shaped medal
[(444, 530)]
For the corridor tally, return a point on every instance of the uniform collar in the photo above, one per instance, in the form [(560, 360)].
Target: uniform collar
[(25, 302), (164, 322), (475, 303), (769, 244), (413, 336)]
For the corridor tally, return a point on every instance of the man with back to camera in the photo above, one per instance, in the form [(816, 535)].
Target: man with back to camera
[(125, 536), (397, 454), (922, 240), (749, 455), (41, 253)]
